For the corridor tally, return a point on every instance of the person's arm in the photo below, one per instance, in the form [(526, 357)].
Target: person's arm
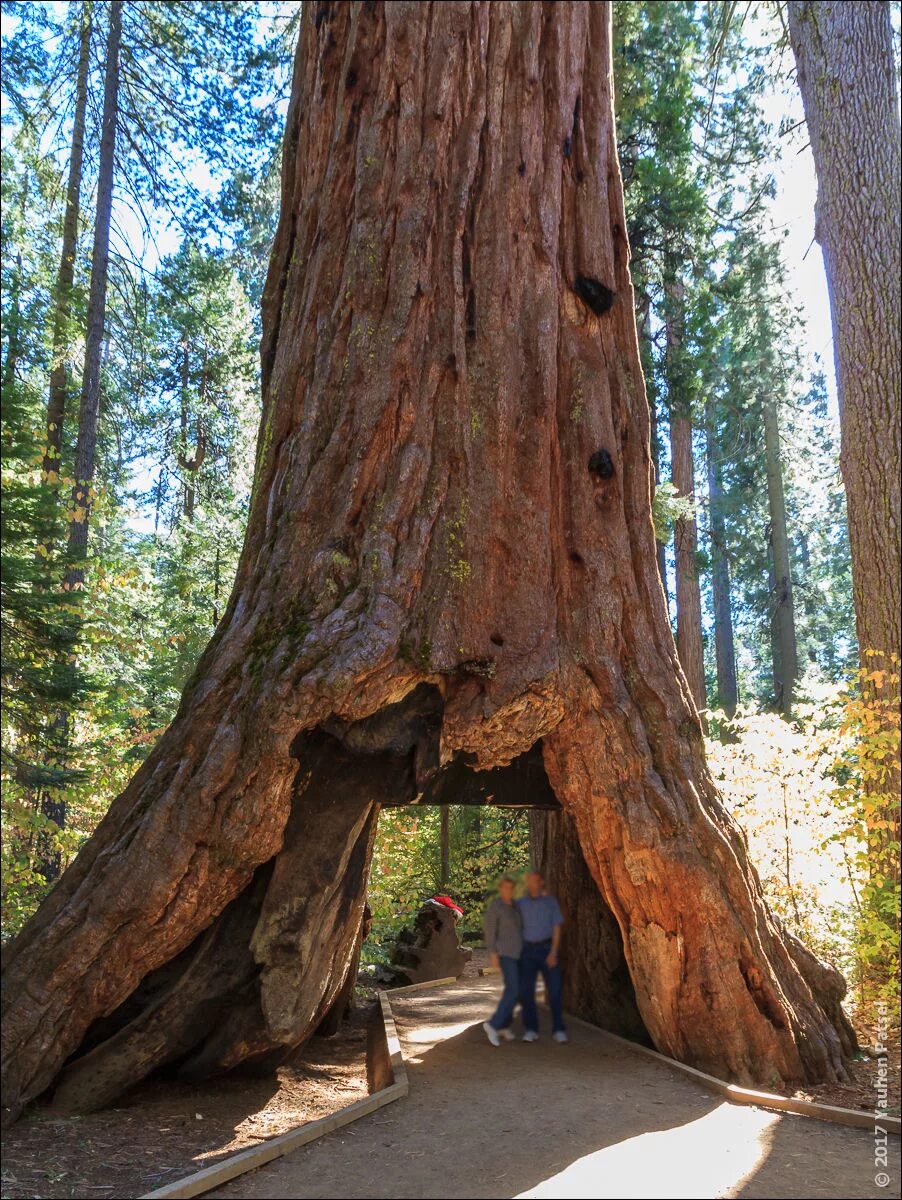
[(552, 958), (490, 925)]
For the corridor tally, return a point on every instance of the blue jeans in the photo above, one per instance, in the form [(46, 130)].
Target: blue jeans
[(532, 961), (504, 1013)]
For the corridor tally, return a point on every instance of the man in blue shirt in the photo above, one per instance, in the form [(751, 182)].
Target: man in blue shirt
[(542, 922)]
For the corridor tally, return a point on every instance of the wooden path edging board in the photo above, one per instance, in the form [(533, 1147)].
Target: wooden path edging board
[(389, 1062), (422, 986), (855, 1117)]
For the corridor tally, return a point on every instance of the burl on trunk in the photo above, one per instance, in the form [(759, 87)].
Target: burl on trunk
[(449, 565)]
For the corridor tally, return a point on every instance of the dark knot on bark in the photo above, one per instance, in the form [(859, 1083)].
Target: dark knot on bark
[(601, 464), (594, 295)]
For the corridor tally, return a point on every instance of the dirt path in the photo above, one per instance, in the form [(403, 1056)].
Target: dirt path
[(583, 1120)]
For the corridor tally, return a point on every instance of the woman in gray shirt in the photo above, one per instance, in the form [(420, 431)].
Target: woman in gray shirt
[(504, 941)]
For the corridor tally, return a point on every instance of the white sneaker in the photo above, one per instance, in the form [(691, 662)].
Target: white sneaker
[(560, 1036), (491, 1033), (507, 1034), (530, 1036)]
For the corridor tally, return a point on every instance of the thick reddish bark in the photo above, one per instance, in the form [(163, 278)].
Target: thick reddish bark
[(450, 563), (235, 995)]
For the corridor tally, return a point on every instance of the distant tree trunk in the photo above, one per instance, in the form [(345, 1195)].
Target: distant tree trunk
[(847, 77), (53, 802), (724, 649), (786, 668), (444, 841), (13, 327), (89, 410), (690, 645), (645, 350), (217, 582), (47, 858), (191, 464), (808, 603), (773, 632), (445, 573), (57, 402), (51, 799)]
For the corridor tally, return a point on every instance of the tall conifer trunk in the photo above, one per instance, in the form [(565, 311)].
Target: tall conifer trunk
[(690, 645), (724, 647), (89, 408), (57, 402), (847, 77), (647, 360), (448, 579), (52, 799), (786, 666)]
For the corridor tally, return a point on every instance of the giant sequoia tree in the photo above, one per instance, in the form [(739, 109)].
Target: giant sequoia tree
[(448, 582)]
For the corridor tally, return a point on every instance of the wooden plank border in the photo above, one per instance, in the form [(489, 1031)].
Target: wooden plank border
[(857, 1118), (422, 986), (389, 1062), (393, 1044)]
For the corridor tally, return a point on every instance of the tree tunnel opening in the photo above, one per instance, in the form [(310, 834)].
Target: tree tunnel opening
[(280, 962)]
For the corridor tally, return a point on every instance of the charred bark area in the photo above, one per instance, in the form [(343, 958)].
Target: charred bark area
[(433, 580)]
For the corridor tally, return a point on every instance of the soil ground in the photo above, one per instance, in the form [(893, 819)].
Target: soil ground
[(860, 1092), (588, 1119), (163, 1129)]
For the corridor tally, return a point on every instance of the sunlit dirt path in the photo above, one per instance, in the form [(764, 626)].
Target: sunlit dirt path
[(588, 1119)]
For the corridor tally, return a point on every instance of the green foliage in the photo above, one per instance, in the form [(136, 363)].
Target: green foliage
[(90, 678), (817, 831), (865, 774), (484, 844), (696, 154), (668, 507)]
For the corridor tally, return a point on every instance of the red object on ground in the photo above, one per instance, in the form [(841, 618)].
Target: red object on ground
[(449, 903)]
